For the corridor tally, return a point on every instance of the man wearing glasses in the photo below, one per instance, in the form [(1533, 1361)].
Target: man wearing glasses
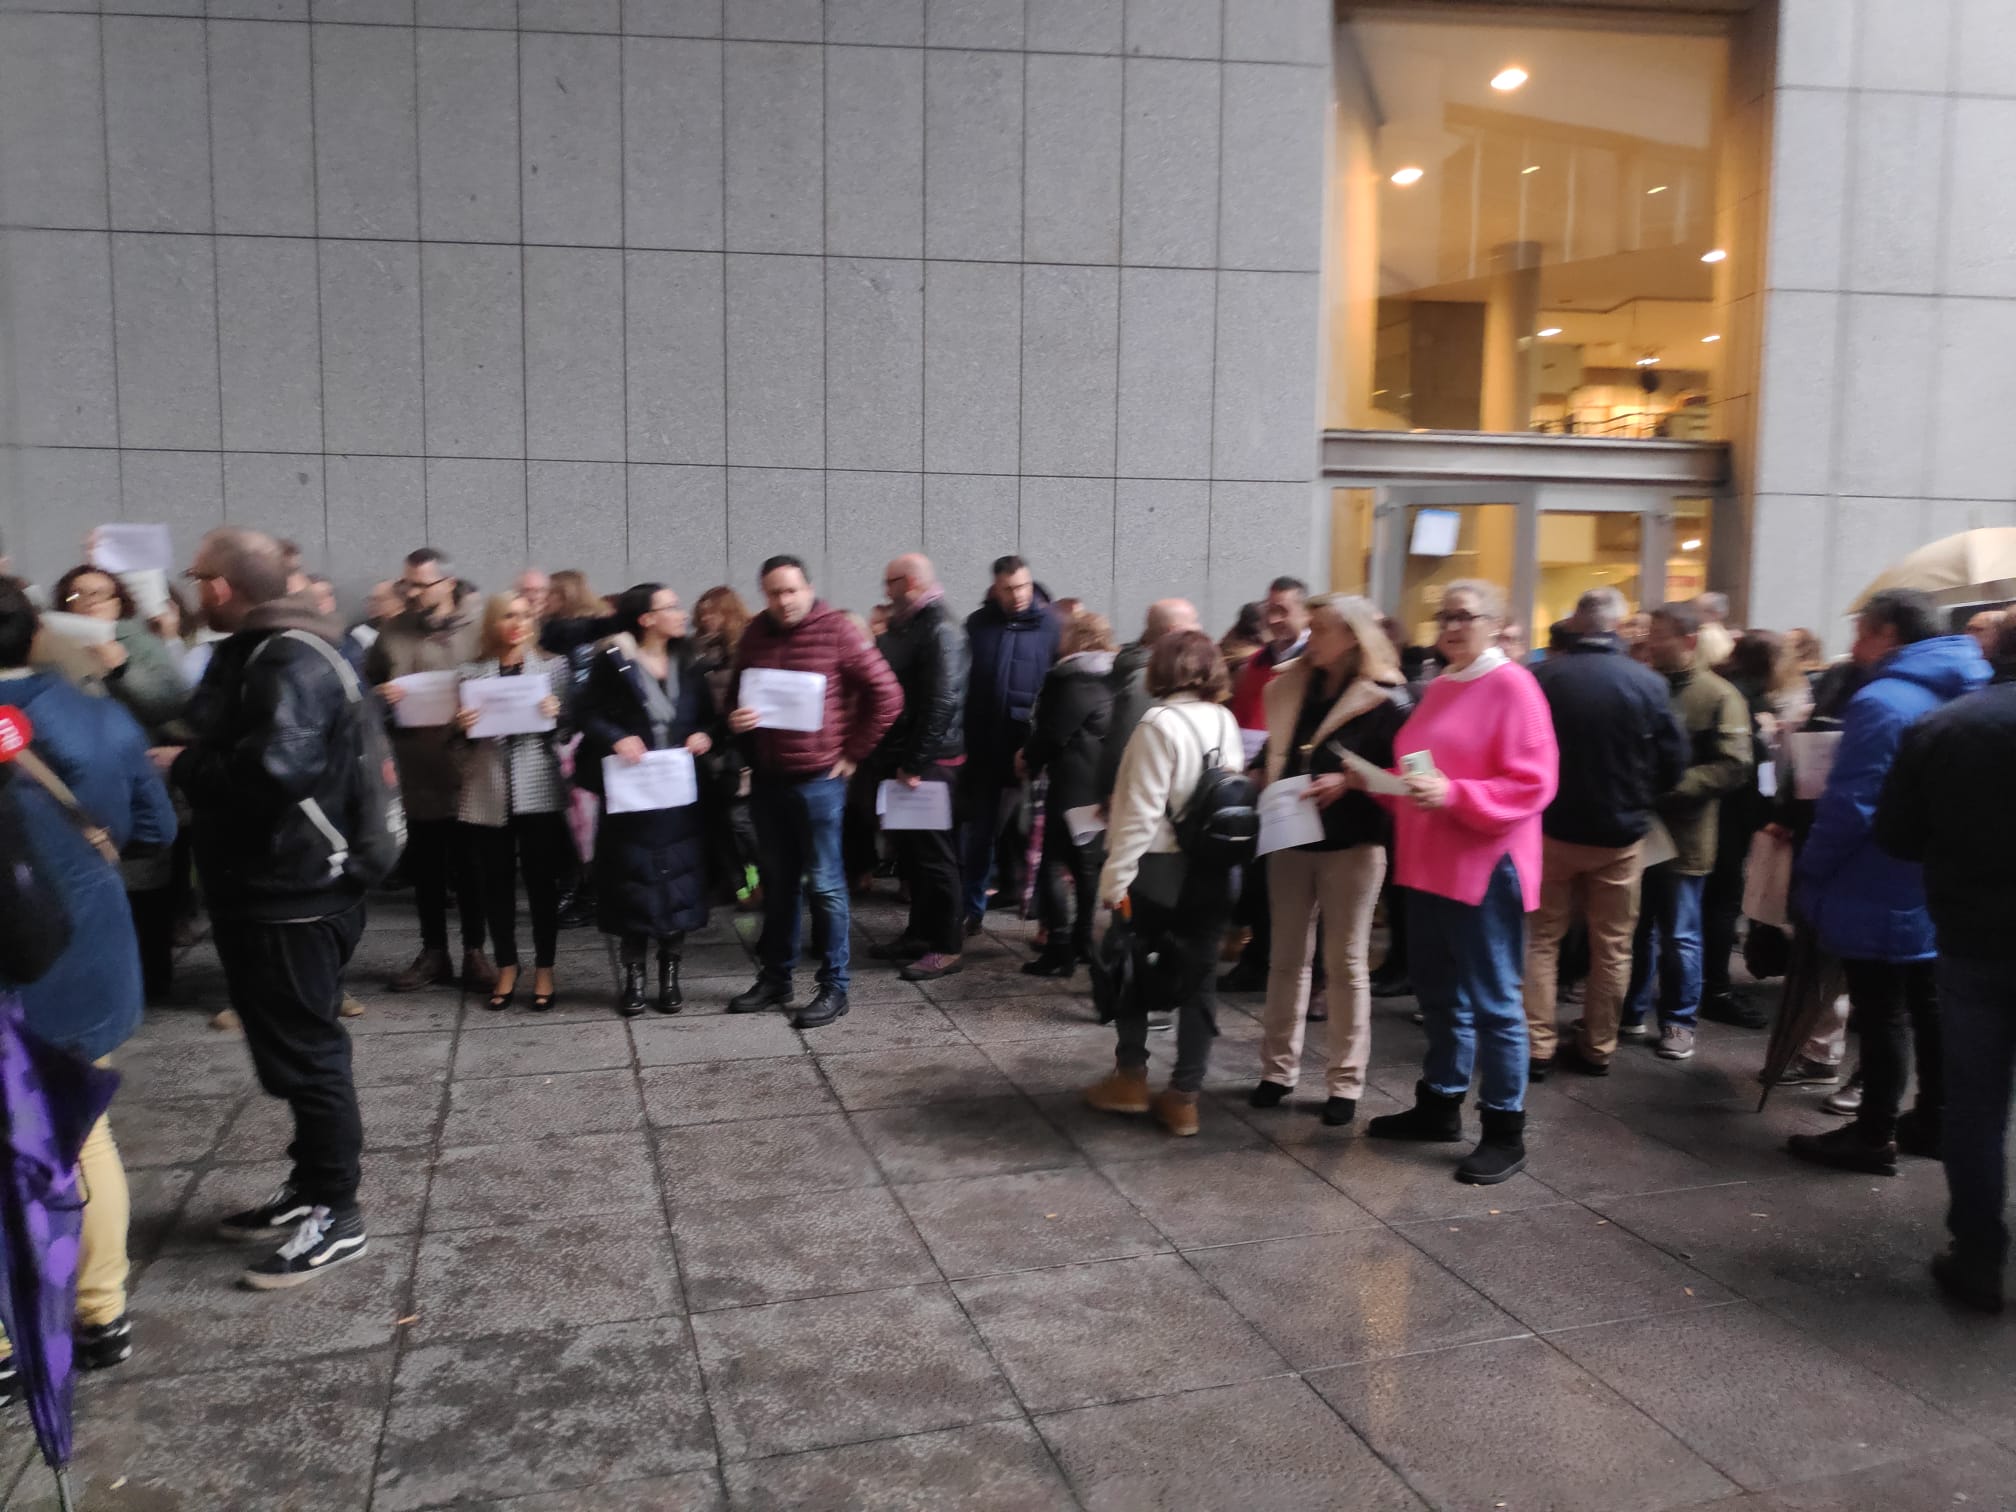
[(438, 630)]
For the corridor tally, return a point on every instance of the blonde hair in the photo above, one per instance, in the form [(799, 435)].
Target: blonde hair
[(1374, 656), (1085, 631), (1490, 597), (573, 597), (494, 609)]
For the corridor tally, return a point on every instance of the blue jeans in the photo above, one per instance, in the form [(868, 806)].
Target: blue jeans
[(1977, 1012), (1468, 965), (798, 840), (1667, 950)]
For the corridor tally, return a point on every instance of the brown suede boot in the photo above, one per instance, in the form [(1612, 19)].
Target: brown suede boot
[(478, 975), (1177, 1112), (429, 968), (1125, 1091)]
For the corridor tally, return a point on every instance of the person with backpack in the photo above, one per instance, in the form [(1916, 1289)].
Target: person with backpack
[(1181, 825), (288, 777), (1480, 764)]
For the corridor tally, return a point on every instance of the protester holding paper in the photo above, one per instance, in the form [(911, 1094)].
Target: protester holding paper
[(438, 632), (1067, 740), (139, 670), (1481, 765), (1343, 694), (799, 777), (650, 864), (513, 801)]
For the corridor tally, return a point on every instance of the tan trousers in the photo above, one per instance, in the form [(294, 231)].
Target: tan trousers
[(1342, 887), (108, 1208), (1603, 883)]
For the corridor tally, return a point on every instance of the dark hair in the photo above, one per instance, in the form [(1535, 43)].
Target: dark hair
[(18, 622), (1251, 624), (1905, 610), (1683, 617), (771, 564), (426, 556), (127, 608), (1007, 564), (1187, 662), (2003, 657), (1289, 585), (633, 603)]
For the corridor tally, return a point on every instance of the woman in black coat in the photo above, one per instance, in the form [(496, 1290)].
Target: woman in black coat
[(651, 866), (1066, 737)]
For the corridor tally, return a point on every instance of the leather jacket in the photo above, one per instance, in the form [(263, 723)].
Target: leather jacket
[(269, 733), (927, 652)]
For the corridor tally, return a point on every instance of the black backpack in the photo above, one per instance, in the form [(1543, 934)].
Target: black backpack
[(1219, 827), (372, 836)]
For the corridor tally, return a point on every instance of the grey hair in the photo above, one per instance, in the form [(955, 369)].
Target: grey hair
[(1601, 611), (1490, 597)]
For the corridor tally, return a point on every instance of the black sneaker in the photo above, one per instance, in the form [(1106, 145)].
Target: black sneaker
[(1339, 1111), (767, 992), (274, 1218), (10, 1383), (1972, 1283), (1269, 1094), (324, 1241), (105, 1344), (829, 1004)]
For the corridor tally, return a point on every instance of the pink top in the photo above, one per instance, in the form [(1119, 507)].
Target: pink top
[(1492, 736)]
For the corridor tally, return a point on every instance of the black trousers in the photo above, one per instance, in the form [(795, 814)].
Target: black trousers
[(537, 845), (434, 852), (1894, 1005), (286, 981), (930, 863), (1256, 912), (1064, 858), (1186, 982), (1722, 907), (155, 912)]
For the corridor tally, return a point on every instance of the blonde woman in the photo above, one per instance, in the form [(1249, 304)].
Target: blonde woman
[(1343, 694), (513, 803)]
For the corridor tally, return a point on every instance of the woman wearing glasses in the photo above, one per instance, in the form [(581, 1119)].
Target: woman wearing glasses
[(139, 669), (1480, 764)]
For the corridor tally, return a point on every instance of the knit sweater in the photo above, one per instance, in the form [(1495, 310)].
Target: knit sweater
[(1491, 735)]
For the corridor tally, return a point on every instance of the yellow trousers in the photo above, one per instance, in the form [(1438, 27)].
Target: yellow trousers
[(108, 1209)]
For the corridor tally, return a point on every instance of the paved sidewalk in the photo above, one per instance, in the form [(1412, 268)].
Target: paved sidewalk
[(706, 1262)]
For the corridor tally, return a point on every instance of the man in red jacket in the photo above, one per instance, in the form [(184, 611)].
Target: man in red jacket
[(798, 790)]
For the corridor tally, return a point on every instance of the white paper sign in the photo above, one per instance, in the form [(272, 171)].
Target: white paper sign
[(80, 628), (1657, 848), (1767, 784), (149, 587), (1084, 823), (1254, 741), (1287, 819), (1812, 754), (507, 705), (427, 700), (662, 780), (132, 548), (1376, 779), (785, 700), (927, 806)]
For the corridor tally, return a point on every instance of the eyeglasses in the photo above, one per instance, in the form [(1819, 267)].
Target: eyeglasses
[(408, 587), (90, 596), (1455, 619)]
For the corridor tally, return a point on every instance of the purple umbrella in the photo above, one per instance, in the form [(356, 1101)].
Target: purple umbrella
[(50, 1099)]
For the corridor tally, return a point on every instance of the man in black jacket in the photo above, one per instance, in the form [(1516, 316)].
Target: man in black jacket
[(1129, 681), (275, 729), (1948, 803), (1620, 749), (926, 649)]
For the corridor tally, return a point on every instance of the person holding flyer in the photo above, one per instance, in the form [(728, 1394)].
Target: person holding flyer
[(513, 801), (650, 864)]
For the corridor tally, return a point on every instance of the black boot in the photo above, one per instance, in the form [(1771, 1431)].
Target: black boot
[(1500, 1154), (1434, 1119), (1972, 1280), (828, 1004), (1269, 1094), (1055, 961), (630, 1001), (767, 992), (670, 997)]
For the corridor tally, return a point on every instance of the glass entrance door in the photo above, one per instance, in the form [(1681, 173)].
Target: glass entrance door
[(1579, 550)]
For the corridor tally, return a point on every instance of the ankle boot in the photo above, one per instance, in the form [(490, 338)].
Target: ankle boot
[(1500, 1154), (1176, 1112), (1125, 1091), (671, 998), (1434, 1119), (630, 1001)]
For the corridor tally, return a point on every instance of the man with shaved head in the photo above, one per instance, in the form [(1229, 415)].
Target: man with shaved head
[(1129, 680), (925, 647), (271, 777)]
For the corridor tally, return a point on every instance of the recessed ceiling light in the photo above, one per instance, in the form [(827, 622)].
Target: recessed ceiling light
[(1690, 545), (1551, 331), (1405, 176), (1648, 362), (1706, 339), (1531, 168), (1656, 189), (1508, 79), (1715, 256)]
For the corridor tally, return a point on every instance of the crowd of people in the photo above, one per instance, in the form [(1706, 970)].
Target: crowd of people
[(1567, 827)]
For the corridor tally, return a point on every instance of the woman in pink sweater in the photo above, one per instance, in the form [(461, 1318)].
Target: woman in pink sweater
[(1467, 849)]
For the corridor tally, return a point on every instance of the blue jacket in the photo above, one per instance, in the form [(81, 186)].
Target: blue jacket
[(91, 1000), (1012, 654), (1867, 904)]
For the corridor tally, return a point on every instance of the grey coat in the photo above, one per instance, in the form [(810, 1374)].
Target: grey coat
[(513, 774)]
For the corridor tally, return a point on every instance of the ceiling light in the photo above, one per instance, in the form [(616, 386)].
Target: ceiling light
[(1694, 545), (1656, 189), (1508, 79), (1551, 331), (1531, 168), (1715, 256), (1405, 176), (1648, 362), (1706, 339)]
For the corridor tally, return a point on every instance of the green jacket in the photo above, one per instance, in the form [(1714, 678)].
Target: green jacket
[(1720, 761)]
